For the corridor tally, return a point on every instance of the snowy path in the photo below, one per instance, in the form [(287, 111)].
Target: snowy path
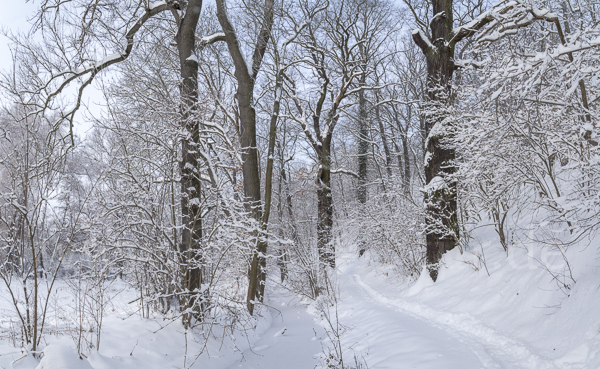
[(398, 333), (292, 340), (379, 324)]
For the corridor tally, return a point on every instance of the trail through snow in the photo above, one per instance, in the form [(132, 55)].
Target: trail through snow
[(381, 324), (385, 332), (404, 334), (293, 341)]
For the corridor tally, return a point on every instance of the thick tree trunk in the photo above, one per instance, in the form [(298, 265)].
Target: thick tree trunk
[(246, 75), (325, 245), (252, 198), (191, 234), (363, 149), (363, 145), (440, 197)]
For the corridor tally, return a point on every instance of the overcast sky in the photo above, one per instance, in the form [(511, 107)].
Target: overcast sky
[(13, 18)]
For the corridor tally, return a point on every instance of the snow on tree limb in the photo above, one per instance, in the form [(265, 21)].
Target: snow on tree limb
[(344, 171), (504, 19), (422, 40), (211, 39)]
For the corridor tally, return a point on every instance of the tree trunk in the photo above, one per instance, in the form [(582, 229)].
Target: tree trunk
[(384, 141), (191, 234), (400, 162), (252, 200), (363, 148), (284, 192), (404, 162), (245, 76), (440, 197), (363, 145), (325, 209)]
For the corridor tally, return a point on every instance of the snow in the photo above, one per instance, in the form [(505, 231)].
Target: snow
[(428, 156), (496, 94), (438, 15), (423, 37), (292, 341), (211, 38), (513, 318), (108, 59), (437, 183), (387, 335), (62, 357), (192, 58), (284, 333), (503, 312), (157, 4)]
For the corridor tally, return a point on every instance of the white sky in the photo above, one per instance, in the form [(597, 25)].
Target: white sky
[(13, 18)]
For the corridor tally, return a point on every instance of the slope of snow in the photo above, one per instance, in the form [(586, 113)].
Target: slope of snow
[(62, 357), (518, 316), (285, 336), (492, 310)]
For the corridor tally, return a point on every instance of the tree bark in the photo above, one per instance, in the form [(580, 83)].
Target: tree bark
[(384, 141), (191, 187), (440, 197), (363, 144), (404, 158), (249, 150), (325, 208), (363, 149)]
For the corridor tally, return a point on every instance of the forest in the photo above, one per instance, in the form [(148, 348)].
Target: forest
[(300, 184)]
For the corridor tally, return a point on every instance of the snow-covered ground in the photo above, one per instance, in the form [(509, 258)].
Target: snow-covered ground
[(285, 333), (515, 317)]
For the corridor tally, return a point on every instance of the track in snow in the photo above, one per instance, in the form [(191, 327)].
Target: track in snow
[(437, 339), (291, 342)]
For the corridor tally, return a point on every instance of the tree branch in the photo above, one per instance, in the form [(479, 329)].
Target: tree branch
[(422, 41)]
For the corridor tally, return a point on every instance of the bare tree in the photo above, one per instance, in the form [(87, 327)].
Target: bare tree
[(65, 61), (329, 46), (245, 76)]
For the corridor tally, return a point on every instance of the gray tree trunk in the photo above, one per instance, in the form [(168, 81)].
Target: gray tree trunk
[(441, 204), (191, 188), (249, 150), (363, 144)]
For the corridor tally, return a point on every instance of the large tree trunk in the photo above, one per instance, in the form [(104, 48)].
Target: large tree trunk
[(246, 76), (440, 197), (363, 145), (325, 209), (363, 150), (252, 196), (191, 234)]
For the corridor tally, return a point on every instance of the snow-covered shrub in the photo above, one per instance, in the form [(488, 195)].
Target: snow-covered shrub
[(526, 136), (390, 226)]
